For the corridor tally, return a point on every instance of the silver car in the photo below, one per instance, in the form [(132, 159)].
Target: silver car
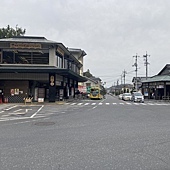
[(137, 97)]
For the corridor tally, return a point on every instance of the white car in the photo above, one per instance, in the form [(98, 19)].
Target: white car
[(137, 97), (127, 96), (120, 96)]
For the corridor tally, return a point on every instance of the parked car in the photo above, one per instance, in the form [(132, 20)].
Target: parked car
[(127, 96), (120, 96), (137, 97)]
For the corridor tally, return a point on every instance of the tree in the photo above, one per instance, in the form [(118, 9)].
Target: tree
[(9, 32)]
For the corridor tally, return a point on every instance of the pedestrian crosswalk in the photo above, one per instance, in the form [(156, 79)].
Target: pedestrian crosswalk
[(119, 103)]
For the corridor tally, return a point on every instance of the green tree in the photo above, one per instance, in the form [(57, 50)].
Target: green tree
[(9, 32)]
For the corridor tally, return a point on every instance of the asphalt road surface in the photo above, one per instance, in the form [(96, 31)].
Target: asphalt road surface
[(86, 135)]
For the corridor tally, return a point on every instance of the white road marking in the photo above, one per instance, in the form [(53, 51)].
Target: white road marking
[(27, 110), (73, 103), (136, 103), (150, 104), (37, 111), (4, 115), (18, 110), (45, 114), (126, 103), (7, 119), (11, 108), (38, 116), (1, 111), (94, 107), (158, 104), (18, 113)]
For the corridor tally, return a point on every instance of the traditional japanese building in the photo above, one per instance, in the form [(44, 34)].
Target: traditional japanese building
[(158, 85), (35, 66)]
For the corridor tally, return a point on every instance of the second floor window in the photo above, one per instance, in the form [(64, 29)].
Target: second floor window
[(59, 62), (24, 57)]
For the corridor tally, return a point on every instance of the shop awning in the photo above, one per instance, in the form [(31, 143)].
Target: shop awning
[(43, 69)]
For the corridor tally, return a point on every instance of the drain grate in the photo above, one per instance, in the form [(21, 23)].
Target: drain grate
[(44, 123)]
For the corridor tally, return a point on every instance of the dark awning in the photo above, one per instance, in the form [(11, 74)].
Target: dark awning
[(42, 69)]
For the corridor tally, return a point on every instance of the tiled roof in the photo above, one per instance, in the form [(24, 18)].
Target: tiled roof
[(157, 78), (28, 39)]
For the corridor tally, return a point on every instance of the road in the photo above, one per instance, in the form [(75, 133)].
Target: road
[(89, 134)]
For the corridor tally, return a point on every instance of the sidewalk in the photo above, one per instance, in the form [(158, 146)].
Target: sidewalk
[(4, 105)]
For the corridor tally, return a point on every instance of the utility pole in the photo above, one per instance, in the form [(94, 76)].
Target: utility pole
[(124, 75), (136, 70), (114, 88), (117, 82), (146, 63)]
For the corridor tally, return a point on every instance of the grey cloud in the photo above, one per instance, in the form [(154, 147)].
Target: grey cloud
[(111, 31)]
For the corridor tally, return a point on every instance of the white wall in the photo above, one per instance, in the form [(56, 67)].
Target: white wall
[(52, 57)]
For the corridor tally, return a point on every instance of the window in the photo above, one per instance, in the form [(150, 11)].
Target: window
[(65, 63), (59, 61), (25, 57)]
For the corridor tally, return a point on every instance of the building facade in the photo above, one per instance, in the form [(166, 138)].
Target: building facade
[(37, 67), (158, 86)]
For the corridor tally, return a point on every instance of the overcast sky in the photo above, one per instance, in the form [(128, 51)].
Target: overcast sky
[(111, 32)]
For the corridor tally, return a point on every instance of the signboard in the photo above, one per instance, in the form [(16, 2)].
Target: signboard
[(25, 45), (160, 86), (52, 80), (40, 100), (146, 94), (12, 91), (82, 89), (88, 89)]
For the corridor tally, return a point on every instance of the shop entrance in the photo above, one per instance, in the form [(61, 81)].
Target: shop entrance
[(1, 95)]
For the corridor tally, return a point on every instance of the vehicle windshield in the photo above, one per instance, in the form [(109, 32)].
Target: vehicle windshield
[(127, 94), (94, 91), (138, 94)]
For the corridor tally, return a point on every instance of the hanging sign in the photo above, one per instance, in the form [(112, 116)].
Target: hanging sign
[(52, 80)]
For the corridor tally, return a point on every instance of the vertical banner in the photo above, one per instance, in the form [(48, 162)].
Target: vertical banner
[(52, 87)]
